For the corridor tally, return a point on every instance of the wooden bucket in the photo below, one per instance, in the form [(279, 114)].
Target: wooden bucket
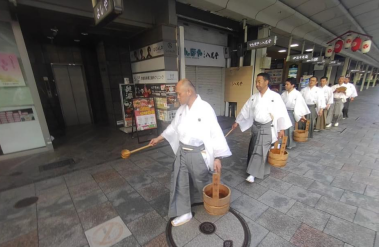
[(301, 135), (278, 157), (216, 197)]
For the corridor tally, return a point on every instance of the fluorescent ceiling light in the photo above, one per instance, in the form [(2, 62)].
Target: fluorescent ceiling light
[(77, 40), (294, 45), (282, 50), (309, 50)]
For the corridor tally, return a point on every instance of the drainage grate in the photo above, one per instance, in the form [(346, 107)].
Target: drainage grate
[(26, 202), (228, 243), (56, 164), (207, 228)]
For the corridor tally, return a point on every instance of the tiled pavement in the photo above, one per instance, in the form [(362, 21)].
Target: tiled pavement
[(327, 195)]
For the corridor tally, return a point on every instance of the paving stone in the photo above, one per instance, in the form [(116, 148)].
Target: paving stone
[(349, 232), (29, 240), (275, 184), (145, 163), (113, 185), (73, 237), (336, 208), (131, 171), (312, 166), (367, 219), (87, 201), (235, 194), (161, 204), (128, 242), (372, 191), (105, 175), (78, 177), (362, 158), (159, 241), (375, 173), (356, 169), (231, 179), (10, 197), (332, 163), (122, 164), (254, 190), (370, 165), (298, 180), (319, 176), (51, 204), (308, 215), (48, 184), (249, 207), (377, 240), (257, 232), (57, 223), (277, 201), (98, 168), (310, 237), (229, 227), (346, 184), (326, 190), (139, 181), (300, 170), (274, 240), (359, 178), (147, 227), (83, 189), (279, 223), (303, 195), (152, 191), (96, 215), (309, 158), (12, 229), (278, 173), (337, 172), (205, 240), (130, 206), (361, 201)]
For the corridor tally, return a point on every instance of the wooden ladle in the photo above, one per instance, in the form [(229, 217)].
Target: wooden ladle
[(126, 153)]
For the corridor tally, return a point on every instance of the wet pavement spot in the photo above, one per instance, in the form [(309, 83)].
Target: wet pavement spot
[(26, 202)]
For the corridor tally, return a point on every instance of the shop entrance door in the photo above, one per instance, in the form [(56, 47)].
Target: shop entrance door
[(72, 94)]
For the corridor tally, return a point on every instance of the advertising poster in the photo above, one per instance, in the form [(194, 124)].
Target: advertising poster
[(144, 113), (149, 90), (292, 71), (276, 75), (10, 71), (127, 95), (15, 116)]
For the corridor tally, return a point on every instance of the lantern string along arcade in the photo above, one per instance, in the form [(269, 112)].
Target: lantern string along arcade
[(352, 41)]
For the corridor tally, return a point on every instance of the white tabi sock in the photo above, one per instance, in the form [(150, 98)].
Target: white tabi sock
[(180, 220), (250, 179)]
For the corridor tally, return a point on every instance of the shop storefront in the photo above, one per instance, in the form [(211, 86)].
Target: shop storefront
[(23, 126)]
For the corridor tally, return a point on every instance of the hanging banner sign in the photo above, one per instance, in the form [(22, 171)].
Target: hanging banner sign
[(300, 57), (315, 60), (335, 63), (144, 113), (106, 11), (158, 49), (10, 71), (261, 43), (158, 77), (201, 54), (127, 95)]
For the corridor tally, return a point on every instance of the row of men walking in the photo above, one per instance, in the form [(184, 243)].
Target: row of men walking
[(324, 106), (200, 146)]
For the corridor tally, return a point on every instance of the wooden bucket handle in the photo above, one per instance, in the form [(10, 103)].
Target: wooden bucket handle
[(283, 146), (296, 125), (307, 125), (216, 185)]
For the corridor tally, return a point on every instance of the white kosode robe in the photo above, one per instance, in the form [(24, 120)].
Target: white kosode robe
[(328, 94), (314, 96), (197, 126), (295, 102), (264, 109), (352, 90)]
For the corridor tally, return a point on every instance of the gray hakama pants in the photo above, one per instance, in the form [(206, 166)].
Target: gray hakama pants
[(289, 132), (260, 144), (335, 112), (312, 118), (188, 178), (345, 110)]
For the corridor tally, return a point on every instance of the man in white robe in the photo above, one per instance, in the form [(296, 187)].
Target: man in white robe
[(199, 144), (350, 98), (335, 114), (315, 100), (328, 95), (296, 108), (266, 112)]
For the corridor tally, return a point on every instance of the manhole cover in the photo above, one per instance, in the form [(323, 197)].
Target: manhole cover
[(228, 243), (207, 228), (15, 174), (26, 202)]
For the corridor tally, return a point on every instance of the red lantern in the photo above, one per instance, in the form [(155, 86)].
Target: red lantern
[(348, 41), (338, 46), (356, 45), (366, 46), (329, 51)]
